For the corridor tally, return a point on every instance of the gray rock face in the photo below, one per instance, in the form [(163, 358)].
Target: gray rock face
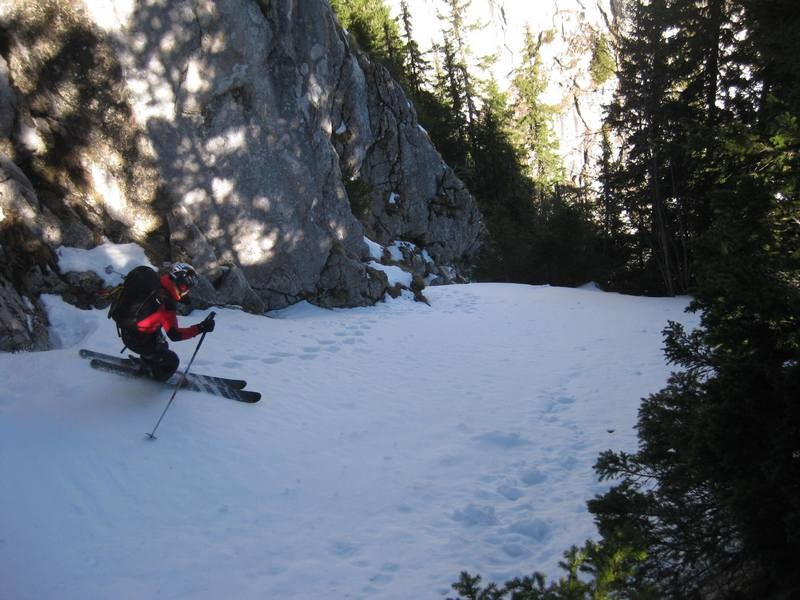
[(415, 196), (264, 106), (223, 133), (23, 324), (25, 226)]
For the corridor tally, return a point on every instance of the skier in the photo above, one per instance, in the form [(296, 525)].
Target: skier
[(145, 313)]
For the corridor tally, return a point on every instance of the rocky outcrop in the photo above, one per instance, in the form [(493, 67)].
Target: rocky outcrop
[(410, 193), (248, 137)]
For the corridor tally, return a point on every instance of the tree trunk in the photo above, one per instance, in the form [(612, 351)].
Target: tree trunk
[(659, 223)]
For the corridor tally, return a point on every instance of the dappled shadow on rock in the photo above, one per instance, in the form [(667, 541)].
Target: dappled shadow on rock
[(221, 134)]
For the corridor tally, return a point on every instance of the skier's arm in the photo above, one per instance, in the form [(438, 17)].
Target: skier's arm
[(168, 320), (175, 333)]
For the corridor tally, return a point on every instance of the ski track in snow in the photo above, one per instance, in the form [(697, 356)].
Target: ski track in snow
[(394, 447)]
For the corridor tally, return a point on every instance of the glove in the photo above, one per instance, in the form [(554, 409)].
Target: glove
[(206, 325)]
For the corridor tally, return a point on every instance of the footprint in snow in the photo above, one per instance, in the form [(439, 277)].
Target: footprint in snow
[(568, 463), (510, 492), (344, 548), (533, 477), (502, 440), (473, 515), (451, 461), (559, 404), (515, 550), (535, 529)]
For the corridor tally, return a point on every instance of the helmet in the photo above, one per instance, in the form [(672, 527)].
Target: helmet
[(183, 275)]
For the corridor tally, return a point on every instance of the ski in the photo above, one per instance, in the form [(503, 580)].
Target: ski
[(194, 381), (238, 384)]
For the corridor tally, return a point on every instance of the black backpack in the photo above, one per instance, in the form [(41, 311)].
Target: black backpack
[(135, 298)]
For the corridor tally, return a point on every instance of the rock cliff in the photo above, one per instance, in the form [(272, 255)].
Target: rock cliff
[(248, 137)]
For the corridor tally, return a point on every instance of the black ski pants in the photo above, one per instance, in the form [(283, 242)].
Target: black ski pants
[(157, 359)]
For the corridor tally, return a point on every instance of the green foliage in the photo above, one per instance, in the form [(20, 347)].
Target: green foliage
[(504, 194), (713, 491), (667, 112), (566, 240), (371, 24), (414, 63), (602, 65), (610, 569), (537, 235), (533, 125)]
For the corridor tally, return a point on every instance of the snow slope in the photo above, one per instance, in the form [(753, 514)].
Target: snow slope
[(395, 446)]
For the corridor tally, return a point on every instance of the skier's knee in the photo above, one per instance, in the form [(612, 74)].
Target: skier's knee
[(165, 365)]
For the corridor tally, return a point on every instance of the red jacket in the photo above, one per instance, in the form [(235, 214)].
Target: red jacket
[(165, 316)]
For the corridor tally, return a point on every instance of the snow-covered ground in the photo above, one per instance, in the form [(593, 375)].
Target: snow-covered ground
[(395, 446)]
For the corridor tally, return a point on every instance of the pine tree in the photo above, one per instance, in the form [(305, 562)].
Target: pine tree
[(414, 62), (534, 119), (504, 192), (713, 491), (371, 24), (614, 238), (456, 38), (450, 89), (676, 64)]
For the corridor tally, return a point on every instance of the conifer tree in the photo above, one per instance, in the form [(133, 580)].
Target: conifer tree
[(414, 62), (534, 118), (504, 192), (451, 89), (456, 38), (370, 22), (713, 492)]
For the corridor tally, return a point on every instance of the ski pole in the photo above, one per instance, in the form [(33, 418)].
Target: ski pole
[(152, 434)]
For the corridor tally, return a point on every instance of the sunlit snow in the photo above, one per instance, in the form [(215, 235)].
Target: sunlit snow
[(394, 446)]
